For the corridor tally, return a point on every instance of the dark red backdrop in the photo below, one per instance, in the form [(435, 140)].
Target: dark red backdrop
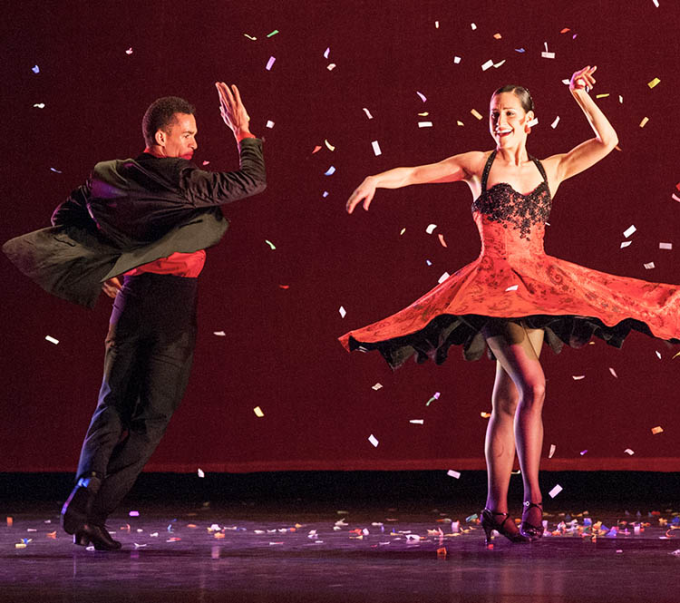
[(280, 351)]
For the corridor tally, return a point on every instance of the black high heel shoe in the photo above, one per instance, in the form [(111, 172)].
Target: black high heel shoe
[(489, 523), (529, 529), (98, 536)]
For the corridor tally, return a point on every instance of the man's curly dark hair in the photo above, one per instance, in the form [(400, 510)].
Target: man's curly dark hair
[(160, 115)]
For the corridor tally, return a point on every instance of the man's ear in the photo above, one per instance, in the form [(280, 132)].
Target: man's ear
[(161, 138)]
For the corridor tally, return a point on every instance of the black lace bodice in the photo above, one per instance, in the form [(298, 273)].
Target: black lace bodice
[(502, 203)]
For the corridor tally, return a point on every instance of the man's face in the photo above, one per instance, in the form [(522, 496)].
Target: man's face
[(179, 138)]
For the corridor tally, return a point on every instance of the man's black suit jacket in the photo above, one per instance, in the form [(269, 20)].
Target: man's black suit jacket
[(131, 212)]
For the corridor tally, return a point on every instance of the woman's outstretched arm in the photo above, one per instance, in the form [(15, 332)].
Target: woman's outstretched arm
[(591, 151), (453, 169)]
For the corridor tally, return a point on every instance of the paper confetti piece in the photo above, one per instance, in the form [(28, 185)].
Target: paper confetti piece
[(270, 124), (629, 231), (220, 333), (620, 99), (424, 124), (206, 163), (373, 440), (602, 95), (425, 114), (655, 82), (443, 277), (457, 60), (649, 266), (629, 451), (133, 513), (459, 123), (552, 450), (520, 50), (40, 105), (668, 246), (273, 33), (533, 122), (583, 452), (625, 244), (258, 412), (376, 148), (402, 231), (129, 51), (643, 123), (250, 37), (473, 26), (270, 63), (52, 535), (422, 96), (441, 240), (377, 386), (10, 522), (200, 472), (452, 473), (500, 64), (330, 171), (476, 113), (512, 288), (417, 421), (51, 339), (430, 228), (343, 312), (270, 244), (547, 54), (487, 65), (56, 171), (22, 546), (368, 113), (329, 146), (35, 69), (675, 198), (565, 30), (331, 66), (613, 372), (578, 377), (485, 415), (658, 354), (555, 491), (656, 430), (553, 125), (497, 36), (433, 398), (656, 3)]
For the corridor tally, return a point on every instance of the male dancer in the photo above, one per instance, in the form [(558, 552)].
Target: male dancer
[(149, 219)]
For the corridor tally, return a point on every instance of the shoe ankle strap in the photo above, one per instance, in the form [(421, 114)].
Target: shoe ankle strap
[(528, 505)]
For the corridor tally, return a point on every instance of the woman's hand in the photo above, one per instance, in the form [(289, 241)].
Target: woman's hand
[(583, 79), (112, 286), (233, 112), (364, 192)]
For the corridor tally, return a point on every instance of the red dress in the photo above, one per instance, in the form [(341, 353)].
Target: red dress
[(513, 278)]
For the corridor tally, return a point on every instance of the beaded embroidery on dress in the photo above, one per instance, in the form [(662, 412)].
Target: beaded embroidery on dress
[(514, 279)]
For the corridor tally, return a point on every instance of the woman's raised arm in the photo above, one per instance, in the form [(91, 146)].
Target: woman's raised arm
[(452, 169), (591, 151)]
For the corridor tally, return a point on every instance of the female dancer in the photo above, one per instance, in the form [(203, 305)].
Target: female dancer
[(514, 295)]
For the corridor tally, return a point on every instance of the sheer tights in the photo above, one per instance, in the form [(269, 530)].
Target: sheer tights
[(515, 423)]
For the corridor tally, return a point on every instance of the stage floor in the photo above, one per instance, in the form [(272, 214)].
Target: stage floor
[(184, 552)]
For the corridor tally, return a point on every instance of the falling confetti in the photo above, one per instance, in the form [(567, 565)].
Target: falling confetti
[(220, 333), (329, 146), (377, 386), (250, 37), (629, 451), (270, 63), (457, 60), (368, 113), (473, 26), (376, 148), (133, 513), (649, 266), (487, 65), (270, 124), (417, 421), (40, 105), (547, 54), (656, 430), (655, 82), (643, 123), (476, 113), (433, 398), (555, 491), (512, 288), (667, 246), (533, 122), (552, 450), (331, 66), (422, 96), (56, 171), (443, 277), (430, 228), (424, 124), (273, 33), (35, 69), (454, 474), (258, 412), (343, 312), (629, 231), (578, 377), (625, 244), (200, 473), (613, 372), (327, 52), (129, 51), (497, 36), (441, 240), (373, 440), (553, 125), (330, 171), (270, 244), (52, 339)]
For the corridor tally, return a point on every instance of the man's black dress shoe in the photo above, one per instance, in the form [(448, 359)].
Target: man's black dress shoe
[(76, 509), (97, 535)]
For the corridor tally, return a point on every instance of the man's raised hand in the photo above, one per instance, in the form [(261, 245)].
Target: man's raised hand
[(233, 112)]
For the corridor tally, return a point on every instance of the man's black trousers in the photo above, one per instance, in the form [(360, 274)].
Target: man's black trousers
[(149, 352)]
